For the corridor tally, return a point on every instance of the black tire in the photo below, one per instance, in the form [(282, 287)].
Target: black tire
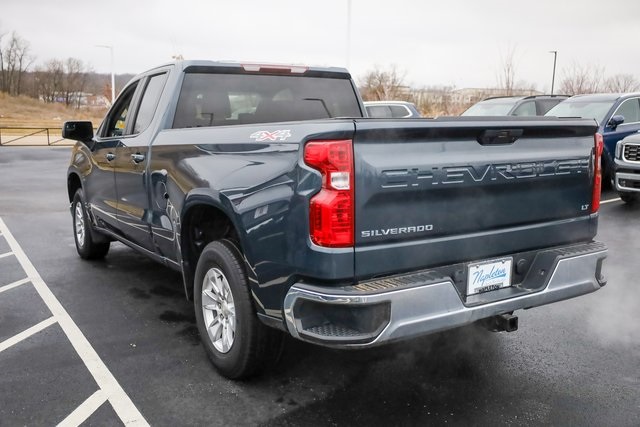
[(608, 175), (254, 345), (87, 245), (629, 198)]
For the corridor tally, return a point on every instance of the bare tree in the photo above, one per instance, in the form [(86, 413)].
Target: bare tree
[(507, 72), (622, 83), (50, 80), (74, 81), (14, 62), (581, 79), (380, 85)]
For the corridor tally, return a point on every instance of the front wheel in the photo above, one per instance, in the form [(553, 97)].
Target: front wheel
[(235, 340), (629, 198), (86, 245)]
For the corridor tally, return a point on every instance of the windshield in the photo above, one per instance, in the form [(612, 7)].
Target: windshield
[(579, 108), (491, 108)]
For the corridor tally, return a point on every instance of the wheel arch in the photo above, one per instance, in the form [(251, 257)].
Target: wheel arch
[(73, 184), (205, 217)]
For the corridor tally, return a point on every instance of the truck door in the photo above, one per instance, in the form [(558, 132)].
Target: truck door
[(101, 188), (131, 166)]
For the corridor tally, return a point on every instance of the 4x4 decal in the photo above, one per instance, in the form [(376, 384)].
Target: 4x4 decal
[(277, 135)]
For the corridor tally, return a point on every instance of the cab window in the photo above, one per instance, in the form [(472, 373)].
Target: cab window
[(117, 119)]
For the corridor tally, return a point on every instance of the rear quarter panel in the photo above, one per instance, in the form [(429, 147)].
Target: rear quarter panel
[(262, 186)]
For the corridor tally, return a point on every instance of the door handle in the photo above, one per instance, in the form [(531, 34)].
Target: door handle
[(110, 156), (137, 158)]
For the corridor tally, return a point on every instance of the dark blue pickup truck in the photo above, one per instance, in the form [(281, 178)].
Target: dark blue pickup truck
[(287, 211), (617, 114)]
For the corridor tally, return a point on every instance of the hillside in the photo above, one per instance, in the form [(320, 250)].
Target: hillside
[(23, 111)]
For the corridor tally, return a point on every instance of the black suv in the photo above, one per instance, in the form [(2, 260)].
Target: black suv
[(535, 105)]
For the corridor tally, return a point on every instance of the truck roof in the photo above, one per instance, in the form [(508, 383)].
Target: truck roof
[(248, 66)]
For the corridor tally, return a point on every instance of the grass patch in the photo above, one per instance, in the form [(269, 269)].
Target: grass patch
[(22, 111)]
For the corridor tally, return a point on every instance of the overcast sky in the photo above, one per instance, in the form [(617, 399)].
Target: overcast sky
[(450, 42)]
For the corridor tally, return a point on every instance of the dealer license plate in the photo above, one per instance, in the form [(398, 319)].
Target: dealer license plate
[(488, 276)]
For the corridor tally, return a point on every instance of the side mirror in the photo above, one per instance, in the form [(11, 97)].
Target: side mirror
[(615, 121), (78, 131)]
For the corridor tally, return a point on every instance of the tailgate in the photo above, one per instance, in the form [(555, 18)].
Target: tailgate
[(445, 191)]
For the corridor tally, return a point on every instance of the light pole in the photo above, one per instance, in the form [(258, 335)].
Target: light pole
[(113, 76), (348, 33), (553, 76)]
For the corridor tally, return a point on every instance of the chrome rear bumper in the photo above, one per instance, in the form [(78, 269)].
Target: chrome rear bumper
[(390, 309)]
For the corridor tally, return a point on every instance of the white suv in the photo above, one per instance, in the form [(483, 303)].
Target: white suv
[(627, 168)]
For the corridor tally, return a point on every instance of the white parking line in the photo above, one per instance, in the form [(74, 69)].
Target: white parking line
[(26, 334), (14, 285), (121, 403), (6, 255), (604, 202), (85, 410)]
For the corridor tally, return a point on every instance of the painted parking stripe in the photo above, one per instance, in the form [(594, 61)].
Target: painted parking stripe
[(84, 411), (14, 285), (26, 334), (604, 202), (121, 403), (6, 255)]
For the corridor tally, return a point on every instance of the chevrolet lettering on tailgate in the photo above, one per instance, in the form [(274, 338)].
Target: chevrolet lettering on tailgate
[(477, 174)]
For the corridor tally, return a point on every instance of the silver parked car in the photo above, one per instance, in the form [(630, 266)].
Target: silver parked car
[(391, 109), (535, 105)]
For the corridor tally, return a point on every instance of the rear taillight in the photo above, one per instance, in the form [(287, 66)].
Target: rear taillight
[(597, 172), (331, 210)]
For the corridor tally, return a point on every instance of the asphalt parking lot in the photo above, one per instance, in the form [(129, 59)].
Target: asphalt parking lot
[(114, 342)]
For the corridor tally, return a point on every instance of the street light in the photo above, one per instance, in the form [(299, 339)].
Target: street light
[(553, 77), (113, 76), (348, 33)]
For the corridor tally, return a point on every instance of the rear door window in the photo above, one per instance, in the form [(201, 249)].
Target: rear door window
[(399, 111), (149, 102), (527, 108), (545, 105), (379, 111)]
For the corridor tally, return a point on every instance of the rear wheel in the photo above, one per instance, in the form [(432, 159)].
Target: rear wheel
[(86, 244), (235, 340)]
